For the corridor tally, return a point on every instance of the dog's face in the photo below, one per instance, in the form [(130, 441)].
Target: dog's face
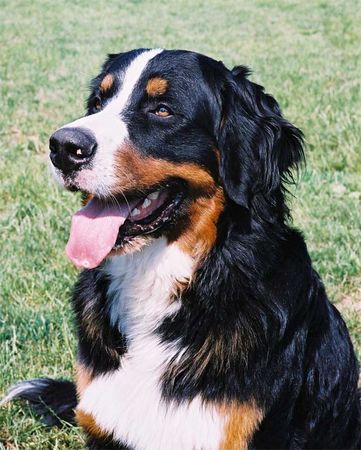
[(169, 138)]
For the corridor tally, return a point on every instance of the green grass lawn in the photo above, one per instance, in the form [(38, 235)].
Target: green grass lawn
[(305, 53)]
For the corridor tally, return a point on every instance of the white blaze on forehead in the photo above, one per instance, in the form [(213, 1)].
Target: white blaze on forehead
[(110, 131), (131, 77)]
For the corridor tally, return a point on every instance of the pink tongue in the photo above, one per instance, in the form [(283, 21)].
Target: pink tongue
[(93, 233)]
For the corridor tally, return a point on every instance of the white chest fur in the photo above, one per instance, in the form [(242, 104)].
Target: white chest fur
[(128, 402)]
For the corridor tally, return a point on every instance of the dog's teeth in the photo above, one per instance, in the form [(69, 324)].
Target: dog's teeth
[(146, 203), (135, 212), (154, 195)]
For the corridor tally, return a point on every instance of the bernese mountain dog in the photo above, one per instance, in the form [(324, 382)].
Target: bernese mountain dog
[(201, 322)]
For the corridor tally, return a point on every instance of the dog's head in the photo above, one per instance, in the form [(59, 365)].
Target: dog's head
[(170, 139)]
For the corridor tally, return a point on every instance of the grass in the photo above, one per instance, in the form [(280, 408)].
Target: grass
[(305, 53)]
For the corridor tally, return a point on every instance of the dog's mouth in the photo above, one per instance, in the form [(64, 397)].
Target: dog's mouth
[(106, 225)]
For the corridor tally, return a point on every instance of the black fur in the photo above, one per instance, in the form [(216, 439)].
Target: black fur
[(105, 444), (53, 400), (101, 350), (258, 146)]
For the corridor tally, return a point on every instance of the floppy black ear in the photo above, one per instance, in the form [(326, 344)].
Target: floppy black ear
[(258, 146), (110, 58)]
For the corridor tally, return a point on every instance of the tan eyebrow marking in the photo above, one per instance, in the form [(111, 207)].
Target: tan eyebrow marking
[(156, 86), (106, 83)]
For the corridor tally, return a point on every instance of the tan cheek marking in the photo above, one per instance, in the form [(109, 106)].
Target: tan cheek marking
[(106, 83), (83, 378), (156, 86), (242, 422), (137, 172), (201, 233), (87, 422)]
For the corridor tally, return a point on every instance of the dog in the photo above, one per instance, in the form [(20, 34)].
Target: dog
[(201, 322)]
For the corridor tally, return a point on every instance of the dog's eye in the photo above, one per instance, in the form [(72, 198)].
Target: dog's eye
[(162, 111), (97, 104)]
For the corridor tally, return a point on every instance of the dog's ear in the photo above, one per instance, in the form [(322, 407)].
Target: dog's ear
[(110, 58), (258, 147)]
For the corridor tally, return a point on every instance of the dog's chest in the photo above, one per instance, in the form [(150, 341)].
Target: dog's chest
[(128, 402)]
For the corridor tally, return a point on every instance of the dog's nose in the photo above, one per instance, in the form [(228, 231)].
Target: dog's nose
[(71, 148)]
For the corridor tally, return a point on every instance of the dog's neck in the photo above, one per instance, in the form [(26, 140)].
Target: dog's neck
[(144, 285)]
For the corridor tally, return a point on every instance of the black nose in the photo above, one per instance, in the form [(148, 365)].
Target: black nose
[(71, 148)]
